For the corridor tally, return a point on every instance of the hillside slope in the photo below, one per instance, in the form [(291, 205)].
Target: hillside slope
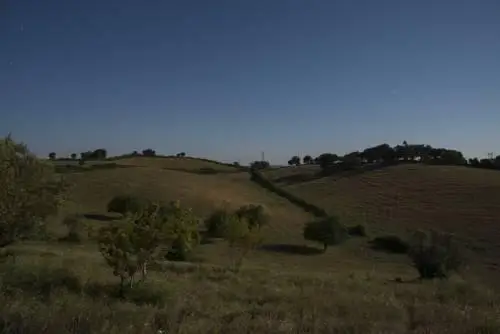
[(460, 200)]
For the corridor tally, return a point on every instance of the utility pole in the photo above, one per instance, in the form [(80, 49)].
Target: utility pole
[(262, 156)]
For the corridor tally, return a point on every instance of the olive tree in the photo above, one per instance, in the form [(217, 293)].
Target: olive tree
[(130, 246), (327, 231), (30, 191)]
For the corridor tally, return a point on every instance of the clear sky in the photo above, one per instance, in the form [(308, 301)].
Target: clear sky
[(229, 79)]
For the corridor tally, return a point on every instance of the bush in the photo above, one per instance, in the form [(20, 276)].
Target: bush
[(75, 228), (357, 230), (125, 204), (129, 247), (30, 191), (435, 255), (390, 243), (216, 224), (254, 215), (241, 239), (327, 231)]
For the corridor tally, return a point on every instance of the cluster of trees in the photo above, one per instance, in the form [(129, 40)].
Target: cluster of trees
[(101, 154), (386, 154)]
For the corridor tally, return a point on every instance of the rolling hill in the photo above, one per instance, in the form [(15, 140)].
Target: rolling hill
[(460, 200)]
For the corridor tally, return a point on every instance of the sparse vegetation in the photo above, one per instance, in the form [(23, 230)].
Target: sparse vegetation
[(285, 286)]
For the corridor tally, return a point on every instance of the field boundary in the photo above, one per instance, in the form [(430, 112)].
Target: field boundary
[(264, 182)]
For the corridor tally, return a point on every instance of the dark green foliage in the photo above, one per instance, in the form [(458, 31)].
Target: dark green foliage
[(216, 224), (52, 155), (326, 160), (149, 152), (254, 215), (307, 160), (73, 156), (99, 154), (144, 237), (357, 230), (327, 231), (295, 160), (181, 155), (126, 204), (260, 165), (390, 243), (435, 255), (30, 191)]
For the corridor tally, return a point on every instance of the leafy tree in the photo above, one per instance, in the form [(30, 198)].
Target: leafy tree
[(381, 152), (73, 156), (181, 155), (435, 255), (52, 155), (307, 160), (216, 224), (295, 160), (125, 204), (241, 239), (260, 165), (128, 248), (236, 163), (254, 215), (30, 191), (149, 152), (327, 231), (326, 160)]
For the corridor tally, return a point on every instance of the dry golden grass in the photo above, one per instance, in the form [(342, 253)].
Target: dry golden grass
[(54, 289), (175, 163), (288, 286), (460, 200)]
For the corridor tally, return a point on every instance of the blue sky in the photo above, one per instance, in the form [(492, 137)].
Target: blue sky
[(229, 79)]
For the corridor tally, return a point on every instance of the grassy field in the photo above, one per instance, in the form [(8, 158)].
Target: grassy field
[(287, 285), (460, 200)]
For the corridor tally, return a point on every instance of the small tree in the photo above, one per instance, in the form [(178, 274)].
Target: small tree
[(435, 255), (216, 224), (254, 215), (307, 160), (52, 155), (30, 191), (130, 246), (73, 156), (149, 152), (183, 227), (327, 231), (241, 240), (295, 160), (260, 164)]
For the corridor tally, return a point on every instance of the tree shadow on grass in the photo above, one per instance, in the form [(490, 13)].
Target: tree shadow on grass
[(291, 249), (100, 217)]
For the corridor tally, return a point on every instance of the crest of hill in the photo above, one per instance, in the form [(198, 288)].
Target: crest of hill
[(178, 163)]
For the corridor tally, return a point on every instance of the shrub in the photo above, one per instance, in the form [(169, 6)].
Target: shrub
[(183, 227), (241, 239), (357, 230), (435, 255), (146, 236), (254, 215), (75, 228), (127, 204), (390, 243), (327, 231), (30, 191), (218, 221)]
